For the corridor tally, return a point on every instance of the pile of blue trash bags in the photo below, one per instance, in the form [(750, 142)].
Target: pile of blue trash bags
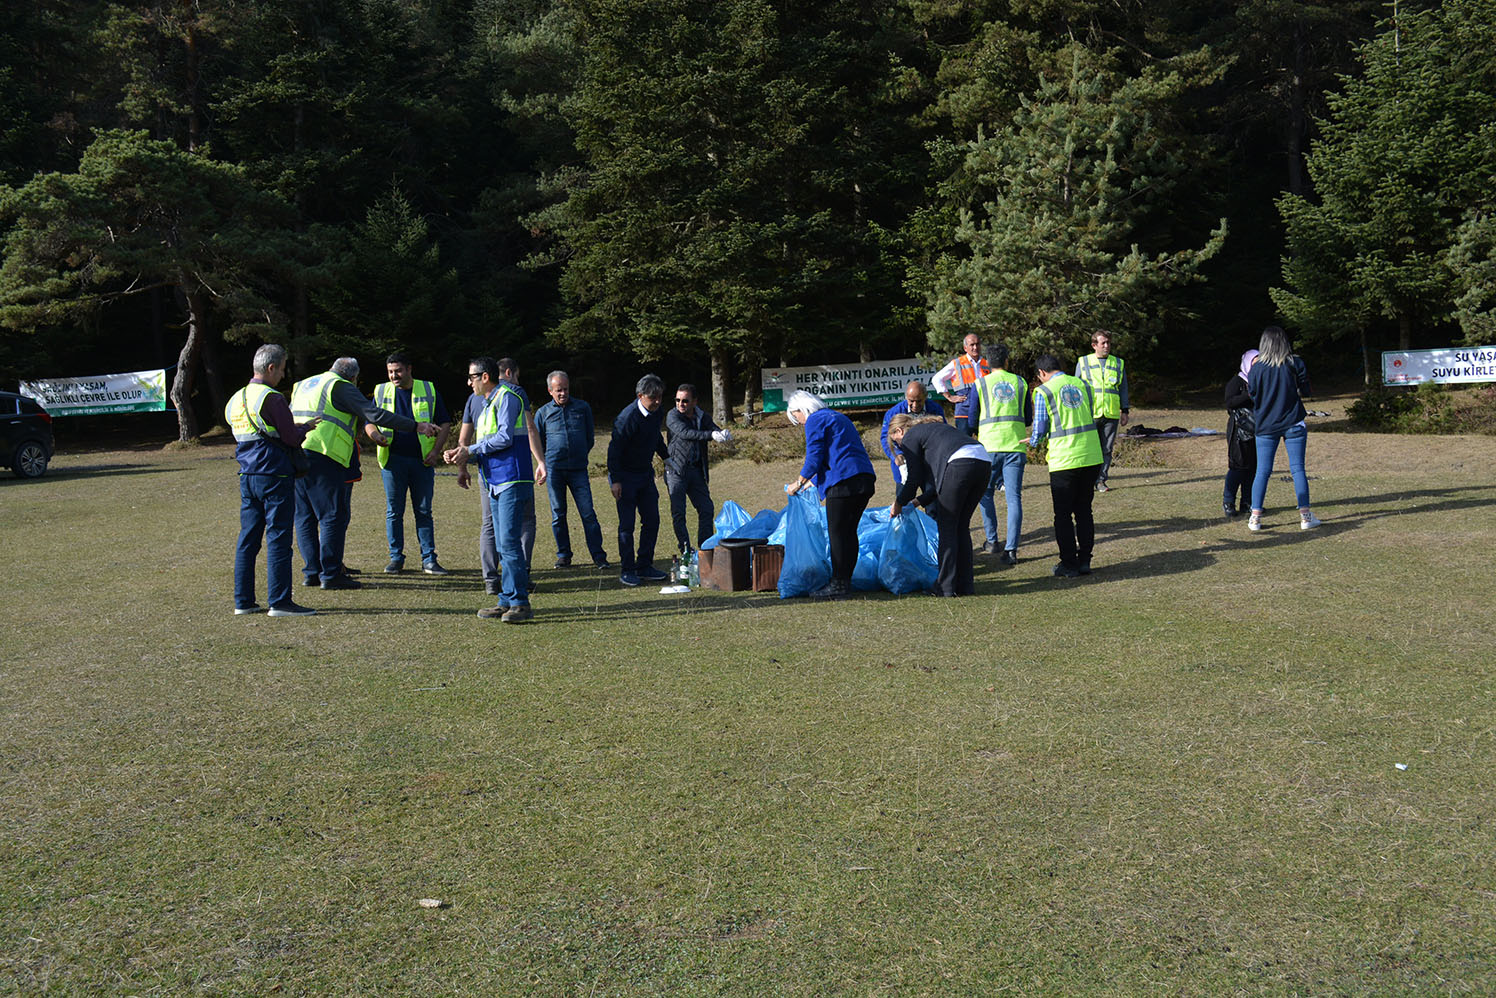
[(893, 553)]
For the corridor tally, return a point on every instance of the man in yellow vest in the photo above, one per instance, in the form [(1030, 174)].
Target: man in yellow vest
[(267, 446), (407, 462), (1063, 414), (1107, 376), (1002, 408), (334, 399), (957, 379)]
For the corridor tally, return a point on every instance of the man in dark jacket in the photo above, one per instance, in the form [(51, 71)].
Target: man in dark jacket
[(688, 429), (631, 450)]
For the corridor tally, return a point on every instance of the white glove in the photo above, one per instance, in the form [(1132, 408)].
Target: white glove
[(720, 436)]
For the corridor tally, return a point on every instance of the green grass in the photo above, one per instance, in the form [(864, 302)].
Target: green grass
[(1176, 776)]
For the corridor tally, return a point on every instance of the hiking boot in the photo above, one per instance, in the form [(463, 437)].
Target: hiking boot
[(291, 610), (493, 612), (835, 589), (518, 614)]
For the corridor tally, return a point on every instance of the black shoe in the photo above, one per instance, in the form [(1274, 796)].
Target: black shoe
[(1227, 511), (341, 582), (649, 573), (563, 562), (432, 568), (1064, 571), (988, 548), (291, 610), (1084, 567), (602, 566), (345, 570), (311, 580), (491, 587), (1008, 558), (835, 589), (396, 566)]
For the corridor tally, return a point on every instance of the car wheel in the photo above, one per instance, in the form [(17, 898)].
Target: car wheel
[(30, 460)]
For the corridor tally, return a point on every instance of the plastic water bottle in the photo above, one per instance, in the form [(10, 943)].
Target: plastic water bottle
[(693, 570)]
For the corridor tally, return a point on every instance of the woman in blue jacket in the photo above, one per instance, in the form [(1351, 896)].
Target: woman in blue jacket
[(838, 464), (1277, 381)]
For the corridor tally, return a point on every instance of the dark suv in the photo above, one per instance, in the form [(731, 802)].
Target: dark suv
[(25, 435)]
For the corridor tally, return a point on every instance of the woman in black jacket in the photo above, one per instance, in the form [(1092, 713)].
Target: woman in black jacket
[(952, 469), (1241, 445)]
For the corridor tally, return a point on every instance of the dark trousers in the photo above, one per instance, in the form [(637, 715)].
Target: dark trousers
[(1239, 482), (690, 483), (321, 517), (1106, 429), (267, 506), (639, 495), (845, 502), (1072, 491), (962, 487)]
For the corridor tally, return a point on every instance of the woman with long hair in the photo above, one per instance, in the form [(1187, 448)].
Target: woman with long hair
[(1277, 383)]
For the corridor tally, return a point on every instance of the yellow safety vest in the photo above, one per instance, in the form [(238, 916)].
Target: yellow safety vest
[(243, 414), (333, 437), (1073, 441), (505, 465), (1000, 428), (422, 405), (1105, 379)]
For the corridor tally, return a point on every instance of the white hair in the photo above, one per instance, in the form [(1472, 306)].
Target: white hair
[(805, 402)]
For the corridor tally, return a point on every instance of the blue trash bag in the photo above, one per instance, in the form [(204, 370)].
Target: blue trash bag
[(807, 551), (729, 519), (907, 563), (777, 537), (871, 530), (763, 524)]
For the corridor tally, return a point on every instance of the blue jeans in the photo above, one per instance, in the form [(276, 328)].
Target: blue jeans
[(488, 548), (320, 521), (508, 511), (402, 474), (267, 505), (557, 481), (639, 495), (1294, 441), (1007, 467)]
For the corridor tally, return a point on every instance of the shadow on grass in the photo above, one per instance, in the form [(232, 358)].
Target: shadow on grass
[(101, 470)]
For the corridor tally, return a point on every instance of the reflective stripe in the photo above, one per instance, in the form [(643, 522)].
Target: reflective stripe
[(1105, 379), (246, 423), (333, 436), (422, 403)]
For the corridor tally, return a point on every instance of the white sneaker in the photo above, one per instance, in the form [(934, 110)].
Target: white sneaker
[(1254, 522), (1308, 521)]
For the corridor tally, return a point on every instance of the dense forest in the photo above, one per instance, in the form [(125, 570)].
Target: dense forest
[(713, 186)]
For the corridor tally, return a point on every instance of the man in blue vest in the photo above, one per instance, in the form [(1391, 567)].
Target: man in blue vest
[(266, 438), (407, 462), (503, 452), (335, 401)]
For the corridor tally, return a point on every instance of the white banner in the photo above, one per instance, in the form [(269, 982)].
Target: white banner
[(1456, 365), (843, 386), (136, 391)]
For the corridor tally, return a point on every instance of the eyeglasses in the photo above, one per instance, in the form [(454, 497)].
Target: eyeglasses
[(681, 401)]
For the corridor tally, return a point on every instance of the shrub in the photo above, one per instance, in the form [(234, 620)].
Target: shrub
[(1428, 408)]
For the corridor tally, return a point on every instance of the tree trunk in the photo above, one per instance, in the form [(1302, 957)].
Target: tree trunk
[(213, 371), (1373, 375), (721, 403), (1405, 332), (1298, 116), (187, 361)]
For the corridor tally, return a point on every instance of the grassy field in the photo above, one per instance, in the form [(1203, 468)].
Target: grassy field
[(1180, 775)]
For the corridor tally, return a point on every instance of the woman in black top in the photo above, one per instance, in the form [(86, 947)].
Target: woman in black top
[(952, 469), (1241, 446)]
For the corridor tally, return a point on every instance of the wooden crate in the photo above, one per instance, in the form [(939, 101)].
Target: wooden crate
[(731, 568), (768, 559), (704, 568)]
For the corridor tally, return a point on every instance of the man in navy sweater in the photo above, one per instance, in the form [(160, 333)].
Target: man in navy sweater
[(631, 477)]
